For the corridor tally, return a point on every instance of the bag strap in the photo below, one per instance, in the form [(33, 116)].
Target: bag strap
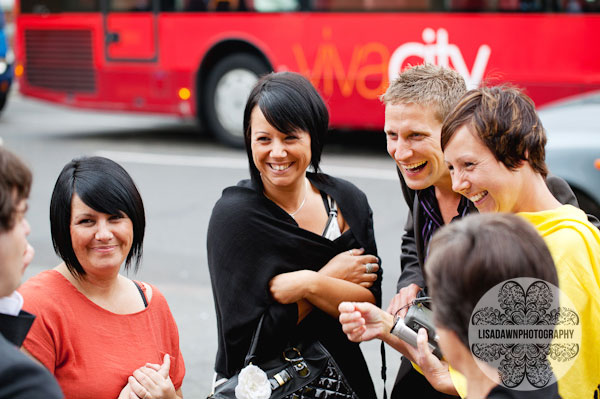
[(142, 293), (251, 355), (383, 369)]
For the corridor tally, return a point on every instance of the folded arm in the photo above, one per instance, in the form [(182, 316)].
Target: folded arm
[(318, 289)]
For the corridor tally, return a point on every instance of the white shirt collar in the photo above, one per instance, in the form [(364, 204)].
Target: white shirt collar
[(11, 304)]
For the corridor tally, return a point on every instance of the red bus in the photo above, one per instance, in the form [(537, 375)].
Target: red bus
[(199, 58)]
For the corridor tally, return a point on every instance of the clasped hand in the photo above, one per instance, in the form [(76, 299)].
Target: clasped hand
[(352, 266), (150, 381)]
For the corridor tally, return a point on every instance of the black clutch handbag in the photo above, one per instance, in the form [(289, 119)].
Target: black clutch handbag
[(305, 370)]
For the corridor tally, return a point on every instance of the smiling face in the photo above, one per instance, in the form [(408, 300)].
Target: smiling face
[(413, 141), (13, 247), (480, 177), (99, 240), (281, 158)]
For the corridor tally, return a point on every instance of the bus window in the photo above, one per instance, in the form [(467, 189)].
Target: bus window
[(396, 5), (378, 5), (191, 5), (276, 5), (472, 5), (508, 5), (50, 6), (130, 5), (341, 5), (226, 5), (589, 5)]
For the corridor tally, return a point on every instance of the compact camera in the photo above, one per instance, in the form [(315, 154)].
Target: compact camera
[(418, 316)]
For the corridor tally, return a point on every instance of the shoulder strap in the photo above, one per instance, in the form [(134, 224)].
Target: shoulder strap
[(325, 198), (332, 206), (142, 293), (383, 369), (251, 355)]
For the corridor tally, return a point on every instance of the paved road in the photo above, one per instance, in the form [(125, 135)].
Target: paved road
[(181, 174)]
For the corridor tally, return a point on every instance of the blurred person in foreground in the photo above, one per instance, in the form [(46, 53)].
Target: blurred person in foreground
[(416, 104), (467, 258), (101, 334), (494, 145), (290, 244), (20, 377)]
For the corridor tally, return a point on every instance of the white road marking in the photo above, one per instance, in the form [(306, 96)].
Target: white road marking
[(233, 163)]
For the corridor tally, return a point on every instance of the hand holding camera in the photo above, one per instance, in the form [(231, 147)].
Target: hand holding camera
[(418, 316)]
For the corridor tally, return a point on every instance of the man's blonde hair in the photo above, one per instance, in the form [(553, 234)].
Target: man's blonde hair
[(427, 85)]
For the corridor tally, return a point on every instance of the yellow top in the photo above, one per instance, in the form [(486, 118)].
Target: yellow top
[(575, 247), (459, 380)]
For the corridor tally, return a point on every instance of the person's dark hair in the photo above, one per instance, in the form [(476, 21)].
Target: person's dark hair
[(289, 103), (15, 184), (505, 120), (469, 257), (104, 186)]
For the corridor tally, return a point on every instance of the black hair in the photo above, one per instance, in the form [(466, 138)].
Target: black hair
[(104, 186), (289, 103)]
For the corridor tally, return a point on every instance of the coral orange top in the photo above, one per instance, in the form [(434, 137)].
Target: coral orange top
[(90, 350)]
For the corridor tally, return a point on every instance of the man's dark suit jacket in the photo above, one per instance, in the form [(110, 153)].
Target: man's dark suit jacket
[(412, 260), (20, 376)]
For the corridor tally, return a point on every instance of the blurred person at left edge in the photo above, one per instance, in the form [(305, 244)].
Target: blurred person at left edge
[(20, 377)]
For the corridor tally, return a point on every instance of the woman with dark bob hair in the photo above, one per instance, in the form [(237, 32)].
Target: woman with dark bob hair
[(102, 335), (289, 245)]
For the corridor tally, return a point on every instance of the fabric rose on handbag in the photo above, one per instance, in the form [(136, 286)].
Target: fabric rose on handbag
[(252, 384)]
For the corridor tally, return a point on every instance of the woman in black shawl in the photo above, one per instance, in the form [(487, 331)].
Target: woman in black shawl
[(289, 244)]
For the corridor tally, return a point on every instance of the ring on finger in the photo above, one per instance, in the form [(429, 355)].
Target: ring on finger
[(351, 252), (370, 267)]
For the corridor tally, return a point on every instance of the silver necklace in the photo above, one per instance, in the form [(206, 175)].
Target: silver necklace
[(301, 205), (303, 200)]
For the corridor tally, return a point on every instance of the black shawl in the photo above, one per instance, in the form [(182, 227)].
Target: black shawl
[(251, 240)]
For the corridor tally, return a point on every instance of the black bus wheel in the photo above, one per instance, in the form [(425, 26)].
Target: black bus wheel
[(227, 88)]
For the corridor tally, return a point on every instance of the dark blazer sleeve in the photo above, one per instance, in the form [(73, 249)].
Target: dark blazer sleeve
[(411, 271), (563, 193), (21, 378)]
